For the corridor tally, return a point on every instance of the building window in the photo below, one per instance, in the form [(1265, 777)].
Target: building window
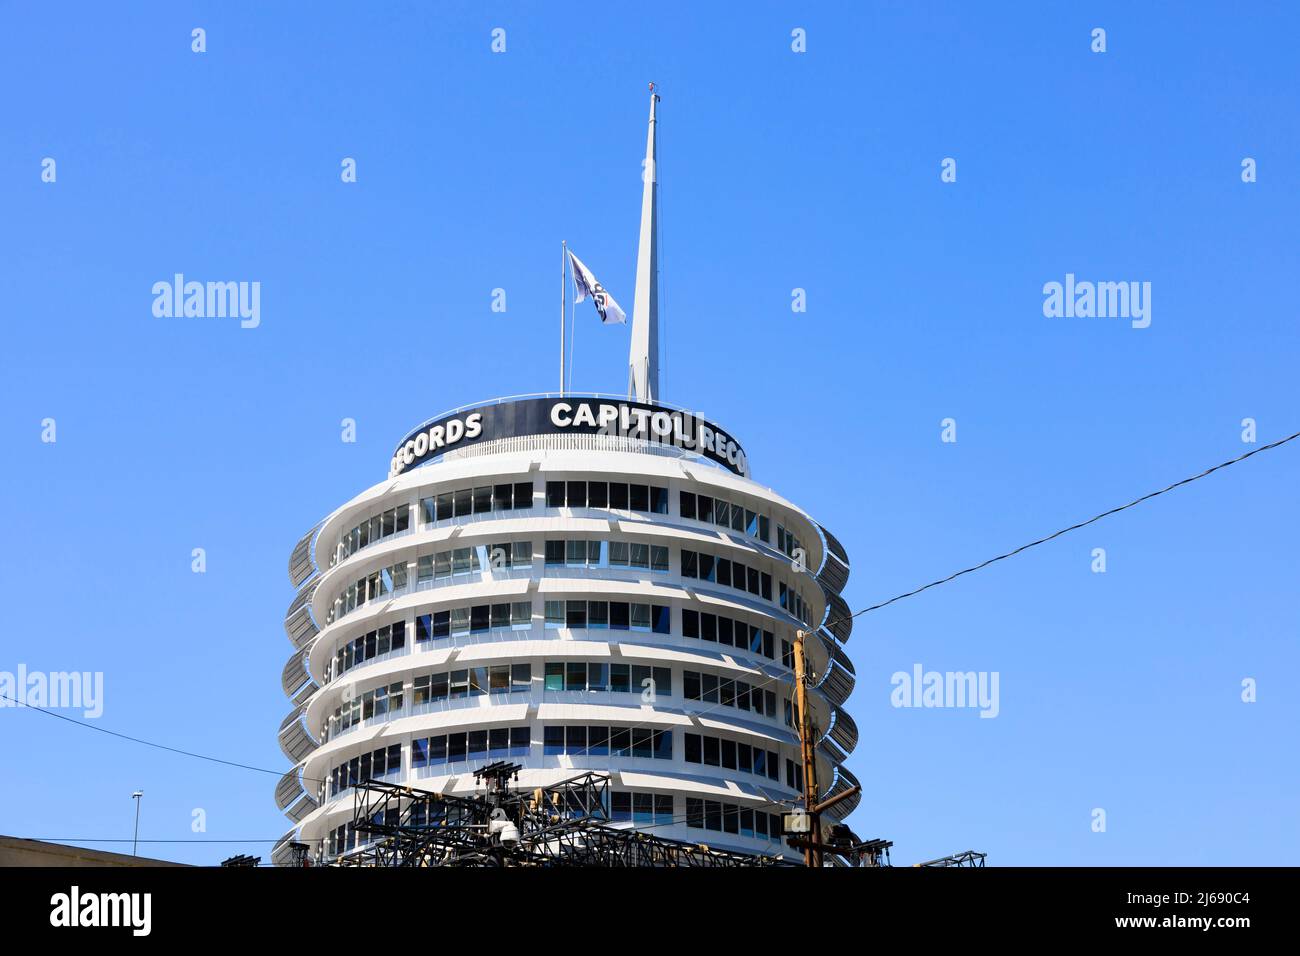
[(373, 529), (619, 615), (456, 747), (459, 621), (554, 614), (730, 755), (620, 810), (690, 623), (686, 504), (575, 675), (463, 502), (555, 494), (552, 741), (553, 679), (580, 553), (577, 494), (575, 740), (466, 501), (695, 813), (520, 742), (477, 744), (618, 498), (580, 740), (576, 614)]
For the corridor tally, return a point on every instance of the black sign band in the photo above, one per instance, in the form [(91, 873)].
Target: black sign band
[(571, 415)]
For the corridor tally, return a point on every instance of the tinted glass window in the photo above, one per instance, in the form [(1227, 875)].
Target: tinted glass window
[(618, 496), (464, 500), (690, 564), (691, 623), (553, 740), (619, 615), (519, 742), (576, 615), (575, 740), (503, 497), (577, 494), (694, 753), (555, 494)]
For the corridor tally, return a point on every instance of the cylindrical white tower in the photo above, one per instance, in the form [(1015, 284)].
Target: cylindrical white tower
[(570, 583)]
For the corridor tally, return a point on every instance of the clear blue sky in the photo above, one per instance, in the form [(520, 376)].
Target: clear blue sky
[(779, 170)]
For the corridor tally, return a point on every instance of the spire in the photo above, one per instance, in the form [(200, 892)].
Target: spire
[(643, 359)]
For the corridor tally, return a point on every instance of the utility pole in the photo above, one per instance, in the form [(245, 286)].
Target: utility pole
[(812, 854), (813, 845)]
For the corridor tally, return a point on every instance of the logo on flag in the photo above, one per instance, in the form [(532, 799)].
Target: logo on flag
[(587, 285)]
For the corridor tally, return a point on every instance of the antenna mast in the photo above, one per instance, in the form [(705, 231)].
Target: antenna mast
[(643, 359)]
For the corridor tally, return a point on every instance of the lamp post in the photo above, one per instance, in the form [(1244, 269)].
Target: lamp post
[(136, 840)]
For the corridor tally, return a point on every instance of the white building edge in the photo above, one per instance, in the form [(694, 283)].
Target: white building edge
[(570, 583)]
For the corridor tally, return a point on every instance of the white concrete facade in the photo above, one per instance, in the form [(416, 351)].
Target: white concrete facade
[(582, 656)]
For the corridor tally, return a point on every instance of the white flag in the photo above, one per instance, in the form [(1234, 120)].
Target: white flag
[(588, 286)]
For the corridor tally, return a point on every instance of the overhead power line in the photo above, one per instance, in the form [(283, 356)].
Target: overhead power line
[(141, 740), (1074, 527)]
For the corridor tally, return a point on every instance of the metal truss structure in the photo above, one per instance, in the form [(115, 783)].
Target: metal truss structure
[(969, 858), (563, 825), (566, 824)]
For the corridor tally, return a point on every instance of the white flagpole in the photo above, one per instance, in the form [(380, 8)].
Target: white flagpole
[(573, 325), (564, 260)]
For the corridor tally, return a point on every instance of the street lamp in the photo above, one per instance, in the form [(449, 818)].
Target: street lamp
[(136, 842)]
